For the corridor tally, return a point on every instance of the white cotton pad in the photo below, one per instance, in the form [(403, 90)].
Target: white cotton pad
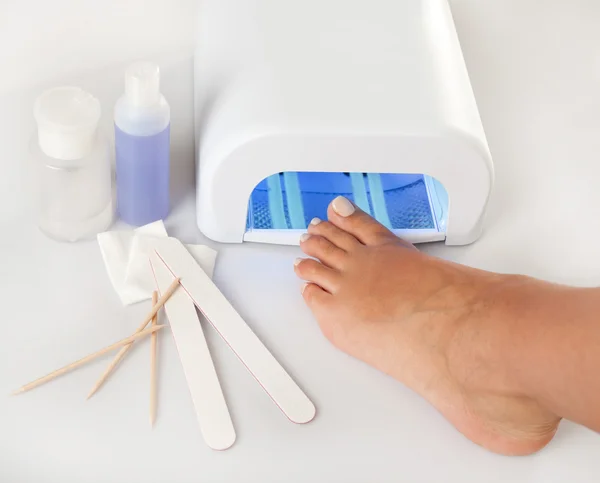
[(126, 257), (138, 274), (115, 247)]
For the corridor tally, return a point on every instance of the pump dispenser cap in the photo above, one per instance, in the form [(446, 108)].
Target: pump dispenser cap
[(67, 118), (142, 84)]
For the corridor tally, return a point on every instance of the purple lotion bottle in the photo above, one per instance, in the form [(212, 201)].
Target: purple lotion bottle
[(142, 144)]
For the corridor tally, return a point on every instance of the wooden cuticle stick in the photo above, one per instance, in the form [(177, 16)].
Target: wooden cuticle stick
[(155, 308), (153, 344), (86, 359)]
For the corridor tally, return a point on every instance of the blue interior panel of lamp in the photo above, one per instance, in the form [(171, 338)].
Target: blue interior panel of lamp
[(289, 200)]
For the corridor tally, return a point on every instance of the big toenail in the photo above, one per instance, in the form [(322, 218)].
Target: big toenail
[(304, 237), (315, 221), (342, 206), (297, 262)]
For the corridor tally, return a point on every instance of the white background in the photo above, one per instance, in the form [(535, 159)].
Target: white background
[(535, 67)]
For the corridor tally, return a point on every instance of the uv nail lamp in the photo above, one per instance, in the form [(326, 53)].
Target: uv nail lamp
[(297, 102)]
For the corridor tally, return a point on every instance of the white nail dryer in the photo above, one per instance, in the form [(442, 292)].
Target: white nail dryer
[(297, 102)]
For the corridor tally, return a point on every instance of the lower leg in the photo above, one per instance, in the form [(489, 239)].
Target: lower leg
[(556, 347)]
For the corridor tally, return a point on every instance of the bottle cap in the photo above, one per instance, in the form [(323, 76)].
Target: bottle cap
[(142, 84), (67, 118)]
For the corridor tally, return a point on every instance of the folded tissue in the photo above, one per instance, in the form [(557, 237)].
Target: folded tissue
[(126, 256)]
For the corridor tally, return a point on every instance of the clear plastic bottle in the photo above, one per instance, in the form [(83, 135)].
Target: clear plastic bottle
[(71, 166), (142, 145)]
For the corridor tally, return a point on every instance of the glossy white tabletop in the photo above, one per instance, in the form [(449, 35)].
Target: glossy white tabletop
[(535, 68)]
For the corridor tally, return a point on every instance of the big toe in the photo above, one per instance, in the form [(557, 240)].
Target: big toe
[(347, 216)]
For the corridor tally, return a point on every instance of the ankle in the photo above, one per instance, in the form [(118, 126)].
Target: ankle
[(482, 355), (554, 331)]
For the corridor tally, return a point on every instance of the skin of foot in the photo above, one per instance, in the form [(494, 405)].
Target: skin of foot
[(435, 326)]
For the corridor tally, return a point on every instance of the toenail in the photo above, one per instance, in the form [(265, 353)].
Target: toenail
[(303, 288), (304, 237), (315, 221), (297, 262), (342, 206)]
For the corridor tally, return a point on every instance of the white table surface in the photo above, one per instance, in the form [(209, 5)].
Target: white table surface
[(535, 68)]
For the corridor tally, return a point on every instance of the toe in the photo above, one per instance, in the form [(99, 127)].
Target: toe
[(314, 296), (348, 217), (321, 248), (317, 273), (322, 306), (335, 235)]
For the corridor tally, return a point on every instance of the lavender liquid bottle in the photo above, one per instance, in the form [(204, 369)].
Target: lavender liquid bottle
[(142, 145)]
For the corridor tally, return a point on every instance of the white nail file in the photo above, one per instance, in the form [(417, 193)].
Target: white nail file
[(227, 322), (211, 409)]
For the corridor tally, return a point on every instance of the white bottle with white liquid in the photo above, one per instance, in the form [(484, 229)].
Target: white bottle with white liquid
[(71, 166)]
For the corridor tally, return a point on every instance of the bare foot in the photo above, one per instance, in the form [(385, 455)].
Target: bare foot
[(435, 326)]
